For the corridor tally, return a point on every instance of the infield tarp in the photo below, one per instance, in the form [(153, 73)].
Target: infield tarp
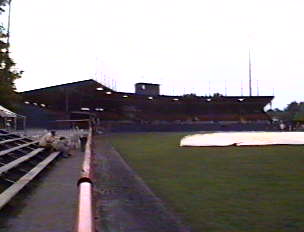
[(243, 139)]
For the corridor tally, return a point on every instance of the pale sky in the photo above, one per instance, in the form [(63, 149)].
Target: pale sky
[(187, 46)]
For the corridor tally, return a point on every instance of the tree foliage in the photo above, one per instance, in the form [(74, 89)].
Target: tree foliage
[(293, 112), (190, 95), (8, 72), (217, 95), (2, 4)]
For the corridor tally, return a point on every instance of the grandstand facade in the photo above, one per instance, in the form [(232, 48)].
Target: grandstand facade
[(146, 105)]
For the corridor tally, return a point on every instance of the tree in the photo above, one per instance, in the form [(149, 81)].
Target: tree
[(292, 107), (8, 72), (293, 112), (216, 95), (190, 95), (2, 4)]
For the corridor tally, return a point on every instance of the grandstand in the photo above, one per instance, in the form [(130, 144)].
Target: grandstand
[(145, 106)]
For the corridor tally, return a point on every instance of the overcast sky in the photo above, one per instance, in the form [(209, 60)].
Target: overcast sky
[(187, 46)]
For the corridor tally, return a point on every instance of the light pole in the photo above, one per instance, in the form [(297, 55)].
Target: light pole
[(250, 86), (9, 24)]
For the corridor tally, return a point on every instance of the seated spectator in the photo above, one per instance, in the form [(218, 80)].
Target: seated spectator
[(8, 125), (62, 145), (47, 140)]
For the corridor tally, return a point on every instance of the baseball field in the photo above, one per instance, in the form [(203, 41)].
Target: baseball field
[(221, 188)]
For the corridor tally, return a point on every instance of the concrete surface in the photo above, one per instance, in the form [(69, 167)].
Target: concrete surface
[(49, 203)]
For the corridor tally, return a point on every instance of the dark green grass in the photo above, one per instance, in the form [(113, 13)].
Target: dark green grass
[(224, 188)]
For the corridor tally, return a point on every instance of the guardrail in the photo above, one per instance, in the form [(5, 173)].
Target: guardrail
[(85, 214)]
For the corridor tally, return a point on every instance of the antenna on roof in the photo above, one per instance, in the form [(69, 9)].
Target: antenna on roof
[(258, 88), (241, 88), (225, 88), (96, 69), (209, 88), (106, 80), (101, 78), (250, 87)]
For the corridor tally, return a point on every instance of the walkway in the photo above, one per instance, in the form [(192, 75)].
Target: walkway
[(49, 204)]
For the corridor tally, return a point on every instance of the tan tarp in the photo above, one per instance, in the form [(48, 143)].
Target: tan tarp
[(243, 139)]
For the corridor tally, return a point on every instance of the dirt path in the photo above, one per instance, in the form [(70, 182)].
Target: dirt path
[(125, 203)]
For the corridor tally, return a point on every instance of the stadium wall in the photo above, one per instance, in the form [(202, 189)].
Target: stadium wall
[(179, 127)]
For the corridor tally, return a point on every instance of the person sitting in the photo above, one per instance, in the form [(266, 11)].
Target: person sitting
[(47, 140), (62, 145)]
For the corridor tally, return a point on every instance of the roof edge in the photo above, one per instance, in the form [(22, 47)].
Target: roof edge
[(53, 86)]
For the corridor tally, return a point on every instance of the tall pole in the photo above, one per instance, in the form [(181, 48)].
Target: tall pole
[(9, 23), (250, 86)]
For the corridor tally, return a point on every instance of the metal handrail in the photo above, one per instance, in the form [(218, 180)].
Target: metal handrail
[(86, 171), (85, 222), (85, 214)]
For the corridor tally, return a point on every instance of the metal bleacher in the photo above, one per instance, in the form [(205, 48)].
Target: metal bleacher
[(21, 160)]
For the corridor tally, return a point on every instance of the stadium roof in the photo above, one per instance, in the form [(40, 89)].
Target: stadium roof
[(90, 93), (145, 83), (83, 83)]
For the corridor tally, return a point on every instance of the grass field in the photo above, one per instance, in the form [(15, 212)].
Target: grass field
[(224, 188)]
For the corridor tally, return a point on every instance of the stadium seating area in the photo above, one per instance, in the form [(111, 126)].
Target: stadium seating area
[(94, 99)]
